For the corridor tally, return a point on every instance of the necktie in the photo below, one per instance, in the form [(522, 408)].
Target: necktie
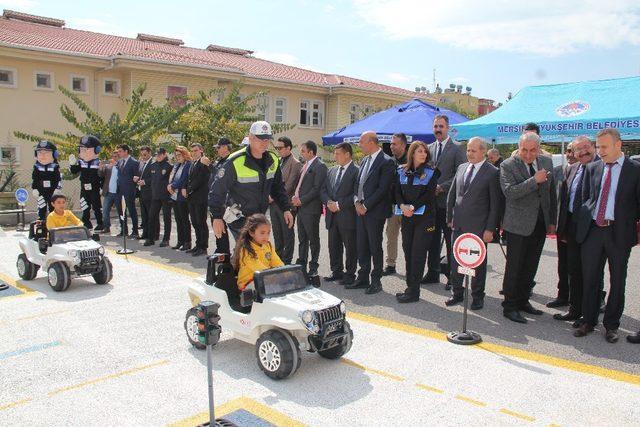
[(604, 196), (577, 197), (335, 184), (439, 151), (467, 180), (532, 171), (302, 174)]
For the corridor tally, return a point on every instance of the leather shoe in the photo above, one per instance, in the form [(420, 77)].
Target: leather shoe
[(569, 315), (447, 287), (577, 323), (514, 316), (430, 277), (334, 277), (187, 248), (164, 243), (407, 296), (347, 281), (148, 243), (611, 336), (177, 246), (375, 287), (134, 236), (477, 304), (558, 302), (198, 251), (389, 270), (453, 300), (583, 330), (105, 231), (528, 308), (634, 339), (358, 284)]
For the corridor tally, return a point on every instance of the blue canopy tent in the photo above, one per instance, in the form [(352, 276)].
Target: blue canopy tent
[(414, 118), (562, 111)]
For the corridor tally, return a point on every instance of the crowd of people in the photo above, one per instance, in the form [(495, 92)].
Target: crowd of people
[(425, 194)]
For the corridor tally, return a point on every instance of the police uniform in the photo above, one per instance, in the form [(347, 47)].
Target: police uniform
[(417, 188), (90, 183), (222, 244), (160, 199), (46, 179), (248, 182)]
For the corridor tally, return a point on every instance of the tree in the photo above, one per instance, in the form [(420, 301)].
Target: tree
[(142, 124)]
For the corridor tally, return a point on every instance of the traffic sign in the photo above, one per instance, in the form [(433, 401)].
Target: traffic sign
[(469, 250), (22, 195)]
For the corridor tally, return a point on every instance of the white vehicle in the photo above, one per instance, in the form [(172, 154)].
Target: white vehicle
[(282, 315), (67, 252)]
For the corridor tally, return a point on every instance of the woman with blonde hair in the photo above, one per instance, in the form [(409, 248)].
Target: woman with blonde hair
[(415, 195), (177, 188)]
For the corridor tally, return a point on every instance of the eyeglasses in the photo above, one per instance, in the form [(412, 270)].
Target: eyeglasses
[(278, 147)]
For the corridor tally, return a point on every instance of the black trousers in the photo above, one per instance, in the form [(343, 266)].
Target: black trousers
[(599, 247), (477, 282), (369, 244), (416, 241), (222, 244), (523, 256), (154, 219), (46, 209), (198, 215), (308, 238), (145, 208), (342, 240), (181, 212), (563, 270), (90, 199), (435, 249), (283, 236), (130, 202)]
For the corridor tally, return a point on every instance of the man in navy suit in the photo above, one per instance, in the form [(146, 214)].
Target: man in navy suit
[(128, 168), (372, 201)]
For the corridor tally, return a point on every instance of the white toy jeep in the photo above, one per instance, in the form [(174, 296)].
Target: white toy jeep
[(283, 314), (67, 252)]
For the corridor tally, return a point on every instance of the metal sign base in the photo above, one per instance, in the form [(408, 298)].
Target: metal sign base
[(125, 251), (464, 338)]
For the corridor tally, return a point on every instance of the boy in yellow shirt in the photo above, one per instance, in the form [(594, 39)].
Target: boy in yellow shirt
[(60, 217), (253, 251)]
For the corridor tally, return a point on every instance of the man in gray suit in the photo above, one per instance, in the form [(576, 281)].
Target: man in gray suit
[(306, 199), (337, 195), (530, 213), (447, 156), (473, 206)]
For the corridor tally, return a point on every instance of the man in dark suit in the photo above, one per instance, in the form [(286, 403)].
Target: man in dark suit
[(447, 156), (530, 213), (473, 206), (128, 169), (144, 188), (337, 195), (372, 200), (606, 230), (197, 193), (306, 199), (160, 199), (494, 157)]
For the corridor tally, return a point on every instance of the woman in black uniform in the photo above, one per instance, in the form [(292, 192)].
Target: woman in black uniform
[(416, 198)]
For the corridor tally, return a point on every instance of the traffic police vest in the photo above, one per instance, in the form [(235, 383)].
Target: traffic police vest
[(245, 174)]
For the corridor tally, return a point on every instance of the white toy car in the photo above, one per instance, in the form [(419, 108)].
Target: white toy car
[(67, 252), (285, 313)]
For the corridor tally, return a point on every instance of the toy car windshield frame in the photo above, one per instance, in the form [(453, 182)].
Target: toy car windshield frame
[(61, 235), (280, 281)]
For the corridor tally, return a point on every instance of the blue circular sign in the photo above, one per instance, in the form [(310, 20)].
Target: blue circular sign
[(22, 195)]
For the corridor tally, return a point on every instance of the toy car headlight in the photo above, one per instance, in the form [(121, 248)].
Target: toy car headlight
[(101, 250), (72, 253), (307, 316), (343, 307)]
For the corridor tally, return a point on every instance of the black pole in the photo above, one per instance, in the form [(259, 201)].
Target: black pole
[(124, 250)]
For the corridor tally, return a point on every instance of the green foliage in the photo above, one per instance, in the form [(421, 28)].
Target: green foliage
[(9, 178), (143, 123)]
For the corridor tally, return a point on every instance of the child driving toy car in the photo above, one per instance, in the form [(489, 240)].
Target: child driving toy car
[(60, 217), (253, 251)]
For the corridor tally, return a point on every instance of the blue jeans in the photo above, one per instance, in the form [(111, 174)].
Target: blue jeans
[(108, 202)]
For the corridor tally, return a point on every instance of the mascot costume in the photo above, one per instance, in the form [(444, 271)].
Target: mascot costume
[(88, 166), (45, 179)]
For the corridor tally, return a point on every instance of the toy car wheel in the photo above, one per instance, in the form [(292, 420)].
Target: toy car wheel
[(59, 276), (278, 354), (342, 349), (191, 327), (106, 274), (26, 269)]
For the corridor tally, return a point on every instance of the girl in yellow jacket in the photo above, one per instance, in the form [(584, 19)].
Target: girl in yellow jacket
[(253, 251)]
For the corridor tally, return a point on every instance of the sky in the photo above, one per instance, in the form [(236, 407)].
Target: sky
[(493, 46)]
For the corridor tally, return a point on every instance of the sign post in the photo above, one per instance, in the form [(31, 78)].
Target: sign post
[(22, 195), (123, 219), (469, 252)]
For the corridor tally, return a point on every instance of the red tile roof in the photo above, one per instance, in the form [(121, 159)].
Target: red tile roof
[(22, 30)]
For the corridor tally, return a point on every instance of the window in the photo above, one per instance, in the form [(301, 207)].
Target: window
[(311, 113), (112, 87), (79, 84), (176, 96), (8, 77), (354, 113), (367, 110), (43, 80), (262, 108), (8, 155), (281, 110)]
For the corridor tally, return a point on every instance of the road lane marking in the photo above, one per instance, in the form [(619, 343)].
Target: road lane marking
[(26, 291), (17, 403), (107, 377), (502, 350), (373, 371), (429, 388), (470, 400), (256, 408), (517, 415), (30, 349)]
